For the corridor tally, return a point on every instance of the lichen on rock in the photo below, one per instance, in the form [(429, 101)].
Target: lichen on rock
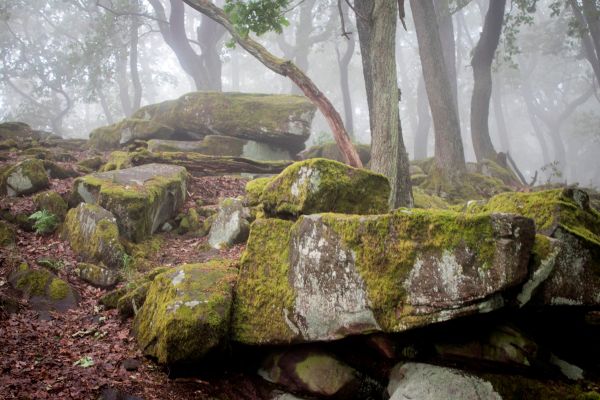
[(26, 177), (186, 314), (320, 185)]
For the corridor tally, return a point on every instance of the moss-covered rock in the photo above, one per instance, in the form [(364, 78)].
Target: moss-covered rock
[(320, 185), (141, 198), (93, 234), (463, 187), (566, 269), (329, 276), (117, 160), (91, 163), (27, 177), (51, 201), (97, 275), (216, 145), (17, 131), (7, 234), (46, 291), (283, 120), (231, 224), (331, 151), (424, 200), (58, 171), (254, 189), (314, 372), (186, 315)]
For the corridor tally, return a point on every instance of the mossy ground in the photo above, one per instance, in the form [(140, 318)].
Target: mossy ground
[(7, 234), (254, 189), (41, 283)]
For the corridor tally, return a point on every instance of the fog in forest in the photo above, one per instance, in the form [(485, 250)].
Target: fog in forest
[(69, 66)]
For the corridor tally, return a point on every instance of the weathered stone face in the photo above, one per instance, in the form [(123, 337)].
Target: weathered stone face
[(566, 262), (320, 185), (93, 234), (430, 382), (141, 198), (282, 120), (24, 178), (230, 225), (97, 275), (330, 276), (214, 145), (186, 313)]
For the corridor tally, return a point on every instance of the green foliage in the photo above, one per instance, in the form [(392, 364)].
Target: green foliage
[(84, 362), (257, 16), (45, 222)]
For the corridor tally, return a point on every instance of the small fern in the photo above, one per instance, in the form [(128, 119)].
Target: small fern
[(45, 222)]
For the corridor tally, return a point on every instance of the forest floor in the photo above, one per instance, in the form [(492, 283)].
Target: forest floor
[(89, 350)]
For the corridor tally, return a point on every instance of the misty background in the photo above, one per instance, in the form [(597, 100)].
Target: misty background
[(69, 66)]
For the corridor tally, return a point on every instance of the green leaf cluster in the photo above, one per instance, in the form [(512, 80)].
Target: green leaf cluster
[(45, 222), (257, 16)]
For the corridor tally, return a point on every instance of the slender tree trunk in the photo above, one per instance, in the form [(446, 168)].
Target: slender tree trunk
[(591, 46), (344, 67), (591, 11), (449, 153), (446, 25), (209, 34), (376, 21), (133, 65), (235, 72), (483, 56), (499, 114), (424, 126), (123, 83), (105, 108), (286, 68)]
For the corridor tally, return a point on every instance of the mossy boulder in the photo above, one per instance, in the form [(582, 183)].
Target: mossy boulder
[(254, 189), (17, 131), (27, 177), (216, 145), (331, 151), (7, 234), (430, 382), (231, 224), (320, 185), (97, 275), (51, 201), (318, 373), (566, 263), (331, 275), (46, 291), (93, 234), (424, 200), (462, 187), (117, 160), (282, 120), (91, 164), (186, 315), (141, 198)]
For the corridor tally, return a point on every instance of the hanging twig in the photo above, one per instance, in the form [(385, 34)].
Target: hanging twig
[(402, 13), (345, 33)]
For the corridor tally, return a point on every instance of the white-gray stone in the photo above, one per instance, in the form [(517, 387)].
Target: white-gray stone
[(231, 225)]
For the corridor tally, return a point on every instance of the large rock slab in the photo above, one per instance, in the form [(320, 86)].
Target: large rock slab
[(329, 276), (566, 263), (215, 145), (430, 382), (186, 314), (93, 234), (320, 185), (141, 198), (283, 120), (27, 177)]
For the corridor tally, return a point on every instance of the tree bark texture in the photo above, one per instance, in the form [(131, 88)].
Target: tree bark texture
[(449, 153), (376, 21), (286, 68), (483, 56), (424, 124)]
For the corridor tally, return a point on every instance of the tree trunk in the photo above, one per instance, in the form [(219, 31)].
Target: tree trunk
[(344, 65), (123, 83), (286, 68), (105, 107), (446, 25), (209, 34), (424, 125), (499, 114), (376, 21), (133, 64), (483, 56), (591, 46), (449, 153)]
